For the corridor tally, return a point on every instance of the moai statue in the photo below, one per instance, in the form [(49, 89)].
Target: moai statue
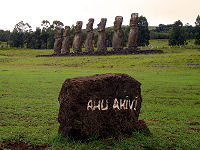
[(133, 34), (66, 41), (101, 43), (77, 43), (117, 42), (58, 41), (90, 36)]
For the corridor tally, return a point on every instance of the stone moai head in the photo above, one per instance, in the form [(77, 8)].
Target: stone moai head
[(102, 24), (66, 31), (134, 19), (57, 33), (118, 22), (89, 26), (78, 26)]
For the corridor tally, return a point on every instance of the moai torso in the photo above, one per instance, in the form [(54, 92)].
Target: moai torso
[(66, 41), (117, 43), (134, 31), (101, 43), (90, 35), (58, 41), (77, 43)]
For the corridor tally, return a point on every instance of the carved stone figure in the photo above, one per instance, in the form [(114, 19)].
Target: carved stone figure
[(117, 43), (77, 47), (90, 36), (133, 34), (66, 41), (101, 43), (58, 41)]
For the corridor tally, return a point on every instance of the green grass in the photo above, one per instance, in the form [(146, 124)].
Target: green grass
[(29, 89)]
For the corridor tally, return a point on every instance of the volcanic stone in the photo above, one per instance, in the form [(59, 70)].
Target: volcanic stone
[(58, 41), (133, 33), (90, 36), (117, 42), (104, 105), (66, 41), (101, 41), (77, 43)]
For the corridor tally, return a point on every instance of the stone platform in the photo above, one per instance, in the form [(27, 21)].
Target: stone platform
[(123, 52)]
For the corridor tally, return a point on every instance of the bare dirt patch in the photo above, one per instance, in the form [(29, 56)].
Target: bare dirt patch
[(21, 146), (194, 129)]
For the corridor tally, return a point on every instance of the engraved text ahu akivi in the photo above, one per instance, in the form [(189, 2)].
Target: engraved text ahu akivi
[(116, 104)]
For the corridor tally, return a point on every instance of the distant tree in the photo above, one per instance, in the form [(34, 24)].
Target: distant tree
[(17, 39), (197, 30), (50, 40), (144, 33), (45, 25), (95, 37), (72, 32), (84, 36), (57, 23), (109, 36), (23, 27), (37, 39), (126, 30), (45, 33), (29, 40), (190, 31), (159, 35), (197, 21), (178, 34), (19, 34), (163, 28), (4, 36), (44, 39)]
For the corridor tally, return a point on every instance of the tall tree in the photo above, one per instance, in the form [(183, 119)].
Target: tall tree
[(178, 34), (109, 35), (72, 33), (45, 25), (190, 31), (126, 30), (144, 33), (45, 33), (57, 23), (37, 37), (23, 27), (50, 40), (17, 39), (4, 35), (197, 30), (19, 34)]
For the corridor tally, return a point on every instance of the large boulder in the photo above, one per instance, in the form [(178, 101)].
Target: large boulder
[(105, 104)]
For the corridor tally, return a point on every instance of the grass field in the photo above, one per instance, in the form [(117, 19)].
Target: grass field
[(29, 89)]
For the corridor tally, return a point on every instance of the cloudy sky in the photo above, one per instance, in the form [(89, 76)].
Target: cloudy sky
[(70, 11)]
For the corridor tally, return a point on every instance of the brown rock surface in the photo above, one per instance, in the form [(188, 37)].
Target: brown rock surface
[(58, 41), (133, 34), (90, 35), (106, 104), (117, 42), (77, 43), (66, 41), (101, 42)]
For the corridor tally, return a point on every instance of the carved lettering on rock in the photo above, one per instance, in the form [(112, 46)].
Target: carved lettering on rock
[(118, 104)]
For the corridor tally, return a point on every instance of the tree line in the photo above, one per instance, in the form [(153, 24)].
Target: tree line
[(177, 33), (43, 37)]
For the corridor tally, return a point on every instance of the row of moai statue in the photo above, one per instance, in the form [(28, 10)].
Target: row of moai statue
[(117, 42)]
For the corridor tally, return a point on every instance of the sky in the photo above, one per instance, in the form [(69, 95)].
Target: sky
[(69, 11)]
